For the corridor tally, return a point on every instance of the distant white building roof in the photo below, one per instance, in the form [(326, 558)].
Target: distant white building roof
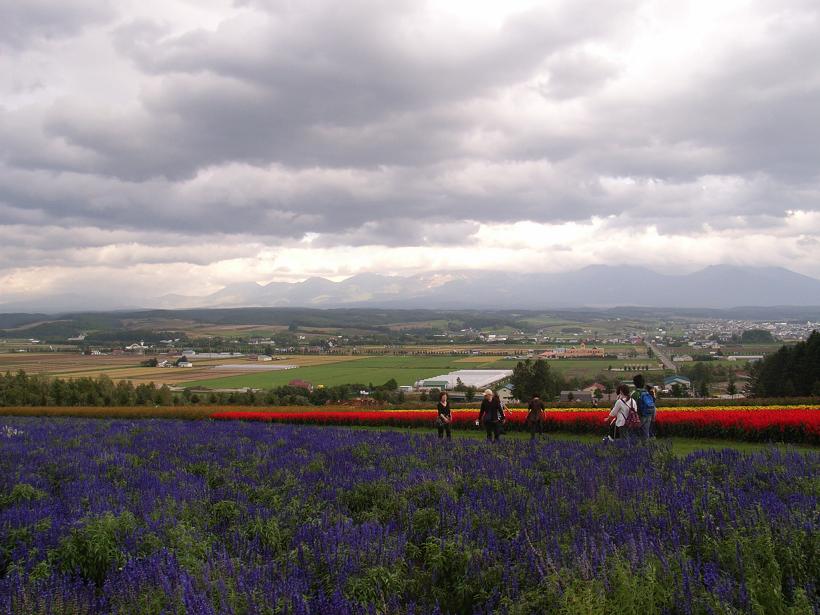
[(478, 378)]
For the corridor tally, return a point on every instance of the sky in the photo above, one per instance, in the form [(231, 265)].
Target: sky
[(177, 146)]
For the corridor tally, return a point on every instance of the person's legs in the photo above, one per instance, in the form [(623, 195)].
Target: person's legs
[(440, 429), (613, 431), (489, 428), (646, 426), (497, 431), (447, 429)]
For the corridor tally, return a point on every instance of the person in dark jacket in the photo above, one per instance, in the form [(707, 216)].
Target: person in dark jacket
[(535, 416), (444, 417), (490, 415)]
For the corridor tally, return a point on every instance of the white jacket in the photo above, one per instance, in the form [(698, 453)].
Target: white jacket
[(621, 410)]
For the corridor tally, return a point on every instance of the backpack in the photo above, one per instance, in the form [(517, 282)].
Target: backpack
[(633, 421), (646, 404)]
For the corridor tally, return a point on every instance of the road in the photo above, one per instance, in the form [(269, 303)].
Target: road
[(662, 357)]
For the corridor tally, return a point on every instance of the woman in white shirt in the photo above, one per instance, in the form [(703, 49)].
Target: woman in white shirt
[(619, 413)]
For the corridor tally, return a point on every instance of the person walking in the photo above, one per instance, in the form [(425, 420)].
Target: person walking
[(645, 404), (619, 413), (535, 416), (444, 418), (489, 415)]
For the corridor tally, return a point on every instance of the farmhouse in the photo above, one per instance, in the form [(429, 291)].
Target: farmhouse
[(302, 384), (683, 381)]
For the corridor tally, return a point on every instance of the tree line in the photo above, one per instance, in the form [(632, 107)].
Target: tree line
[(791, 371), (22, 389)]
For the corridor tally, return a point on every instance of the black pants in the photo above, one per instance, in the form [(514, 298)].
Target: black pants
[(493, 431), (614, 431), (534, 427), (442, 427)]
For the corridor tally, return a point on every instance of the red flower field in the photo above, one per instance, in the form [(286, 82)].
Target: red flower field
[(753, 423)]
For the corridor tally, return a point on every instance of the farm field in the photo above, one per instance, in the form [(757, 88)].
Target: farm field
[(317, 369), (405, 369), (364, 370), (150, 517)]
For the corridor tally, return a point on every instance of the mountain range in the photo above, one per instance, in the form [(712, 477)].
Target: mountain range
[(719, 286)]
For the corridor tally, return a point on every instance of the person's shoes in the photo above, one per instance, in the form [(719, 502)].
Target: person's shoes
[(608, 439)]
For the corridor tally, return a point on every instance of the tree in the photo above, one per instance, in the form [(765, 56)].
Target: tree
[(756, 336), (533, 378), (731, 386), (792, 370), (469, 394)]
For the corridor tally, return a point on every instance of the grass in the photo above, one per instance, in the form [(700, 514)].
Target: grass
[(681, 447)]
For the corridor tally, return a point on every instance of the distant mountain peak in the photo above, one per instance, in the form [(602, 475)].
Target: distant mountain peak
[(716, 286)]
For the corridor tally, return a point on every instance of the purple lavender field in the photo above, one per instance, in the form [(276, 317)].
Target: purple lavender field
[(233, 518)]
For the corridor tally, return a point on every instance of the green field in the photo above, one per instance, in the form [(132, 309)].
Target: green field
[(583, 368), (406, 371), (378, 370)]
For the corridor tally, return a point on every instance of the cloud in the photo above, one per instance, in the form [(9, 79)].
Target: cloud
[(261, 138), (26, 23)]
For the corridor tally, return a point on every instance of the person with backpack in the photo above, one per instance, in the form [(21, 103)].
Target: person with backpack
[(491, 415), (444, 417), (619, 415), (646, 405), (535, 416)]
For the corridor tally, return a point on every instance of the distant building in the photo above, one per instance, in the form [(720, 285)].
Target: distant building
[(505, 394), (683, 381), (302, 384), (582, 351), (478, 378), (682, 358), (584, 396), (185, 364), (745, 357)]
